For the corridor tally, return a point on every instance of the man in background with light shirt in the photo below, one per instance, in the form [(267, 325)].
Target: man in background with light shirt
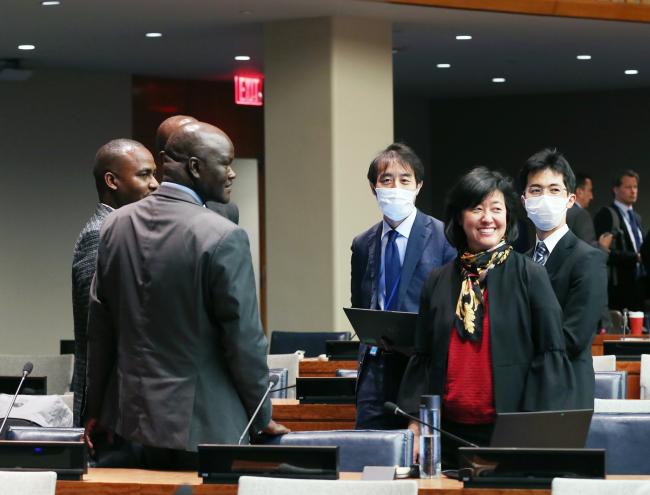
[(390, 263), (626, 272), (577, 270)]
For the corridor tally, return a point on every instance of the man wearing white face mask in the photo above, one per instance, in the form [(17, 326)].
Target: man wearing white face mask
[(577, 271), (390, 262)]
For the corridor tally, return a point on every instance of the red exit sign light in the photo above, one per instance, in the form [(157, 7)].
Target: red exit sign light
[(248, 91)]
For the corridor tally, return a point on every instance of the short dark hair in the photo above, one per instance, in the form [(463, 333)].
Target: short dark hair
[(470, 190), (551, 159), (618, 180), (400, 153), (581, 180)]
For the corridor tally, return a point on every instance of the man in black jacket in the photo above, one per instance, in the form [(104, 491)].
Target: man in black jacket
[(626, 273), (577, 271)]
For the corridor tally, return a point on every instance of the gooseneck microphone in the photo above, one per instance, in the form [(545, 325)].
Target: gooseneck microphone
[(392, 408), (27, 369), (272, 383), (283, 388)]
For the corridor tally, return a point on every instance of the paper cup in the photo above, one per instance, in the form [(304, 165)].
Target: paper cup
[(636, 322)]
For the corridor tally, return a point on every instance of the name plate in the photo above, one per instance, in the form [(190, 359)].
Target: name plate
[(67, 459), (226, 463)]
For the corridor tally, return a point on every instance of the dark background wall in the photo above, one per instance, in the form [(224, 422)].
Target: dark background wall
[(599, 133)]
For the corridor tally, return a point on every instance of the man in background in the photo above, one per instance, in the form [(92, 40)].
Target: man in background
[(626, 271), (124, 173), (578, 218)]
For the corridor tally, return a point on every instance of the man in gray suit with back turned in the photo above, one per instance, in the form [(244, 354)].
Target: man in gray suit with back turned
[(173, 309), (124, 173)]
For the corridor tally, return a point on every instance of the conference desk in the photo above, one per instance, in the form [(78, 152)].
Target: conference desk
[(310, 417), (140, 482)]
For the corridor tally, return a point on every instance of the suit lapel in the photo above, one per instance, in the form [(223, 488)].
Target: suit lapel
[(374, 260), (420, 233), (560, 253)]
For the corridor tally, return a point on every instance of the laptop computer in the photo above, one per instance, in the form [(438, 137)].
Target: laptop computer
[(372, 326), (542, 429)]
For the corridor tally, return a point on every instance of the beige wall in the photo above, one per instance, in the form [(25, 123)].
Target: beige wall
[(328, 110), (50, 128)]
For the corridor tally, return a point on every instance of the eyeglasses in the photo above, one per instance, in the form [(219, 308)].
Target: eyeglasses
[(539, 190)]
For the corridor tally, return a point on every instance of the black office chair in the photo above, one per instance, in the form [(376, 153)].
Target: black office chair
[(313, 343)]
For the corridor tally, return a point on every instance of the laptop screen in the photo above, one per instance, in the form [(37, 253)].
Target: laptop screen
[(542, 429)]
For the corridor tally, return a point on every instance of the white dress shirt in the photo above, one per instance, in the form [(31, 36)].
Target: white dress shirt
[(551, 241), (624, 211)]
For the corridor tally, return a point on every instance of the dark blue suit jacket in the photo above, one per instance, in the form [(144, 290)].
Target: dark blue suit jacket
[(427, 248)]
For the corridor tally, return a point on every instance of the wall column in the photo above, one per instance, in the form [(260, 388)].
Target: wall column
[(328, 111)]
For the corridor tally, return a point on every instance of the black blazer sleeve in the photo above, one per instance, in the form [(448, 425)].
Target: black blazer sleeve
[(550, 382)]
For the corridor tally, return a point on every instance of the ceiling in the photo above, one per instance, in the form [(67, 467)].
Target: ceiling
[(200, 38)]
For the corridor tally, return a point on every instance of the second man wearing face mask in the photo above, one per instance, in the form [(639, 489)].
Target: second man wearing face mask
[(577, 271), (390, 262)]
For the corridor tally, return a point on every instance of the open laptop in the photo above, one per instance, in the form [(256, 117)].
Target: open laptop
[(542, 429), (394, 327)]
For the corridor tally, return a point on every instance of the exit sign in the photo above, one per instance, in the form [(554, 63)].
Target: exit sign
[(248, 91)]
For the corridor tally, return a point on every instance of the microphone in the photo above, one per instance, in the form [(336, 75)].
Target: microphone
[(27, 369), (283, 388), (272, 383), (392, 408)]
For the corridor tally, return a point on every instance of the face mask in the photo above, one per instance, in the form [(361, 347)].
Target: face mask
[(396, 203), (546, 212)]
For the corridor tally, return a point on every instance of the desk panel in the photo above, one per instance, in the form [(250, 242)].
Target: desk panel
[(314, 367), (309, 417)]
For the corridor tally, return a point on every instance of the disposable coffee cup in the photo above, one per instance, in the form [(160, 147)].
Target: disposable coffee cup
[(636, 322)]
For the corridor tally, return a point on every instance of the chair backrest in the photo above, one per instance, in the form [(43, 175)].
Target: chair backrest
[(568, 486), (604, 363), (313, 343), (625, 437), (346, 373), (621, 406), (290, 362), (41, 410), (358, 448), (610, 385), (645, 376), (57, 369), (283, 377), (23, 482), (251, 485)]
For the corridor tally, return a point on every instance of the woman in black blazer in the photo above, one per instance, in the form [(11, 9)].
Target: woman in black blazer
[(489, 333)]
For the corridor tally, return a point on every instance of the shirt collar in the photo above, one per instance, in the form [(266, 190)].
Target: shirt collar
[(551, 241), (186, 189), (404, 228), (108, 207), (622, 207)]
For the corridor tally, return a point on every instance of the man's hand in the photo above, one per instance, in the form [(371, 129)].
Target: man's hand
[(274, 429), (605, 241), (92, 429)]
